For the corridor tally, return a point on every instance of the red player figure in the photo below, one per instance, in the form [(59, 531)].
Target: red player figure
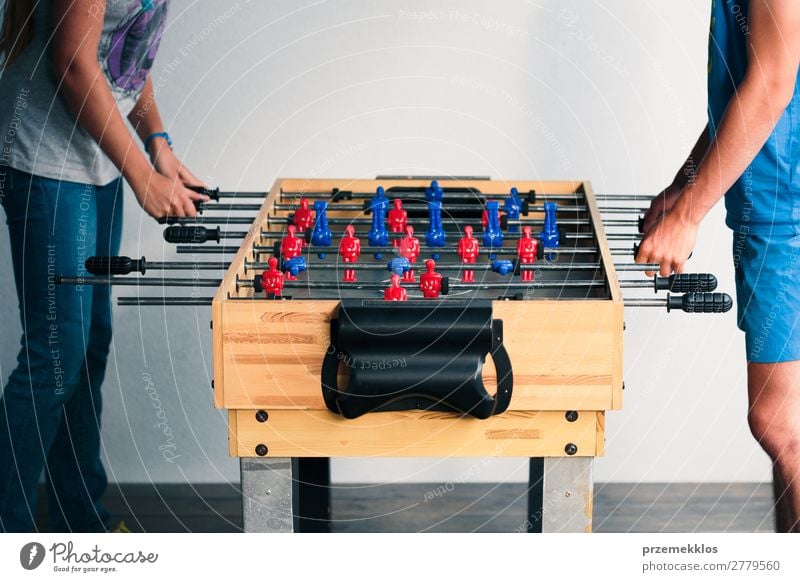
[(430, 282), (397, 217), (485, 218), (272, 278), (527, 249), (303, 216), (395, 292), (349, 249), (408, 248), (291, 245), (468, 250)]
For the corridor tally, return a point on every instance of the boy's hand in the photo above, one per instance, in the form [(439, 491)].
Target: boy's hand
[(670, 241), (660, 205)]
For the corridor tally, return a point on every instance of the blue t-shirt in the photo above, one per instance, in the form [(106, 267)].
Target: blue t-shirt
[(766, 198)]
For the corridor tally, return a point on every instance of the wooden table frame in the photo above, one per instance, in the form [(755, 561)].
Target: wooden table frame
[(567, 373)]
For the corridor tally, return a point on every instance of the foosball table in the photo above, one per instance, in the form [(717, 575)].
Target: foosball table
[(411, 317)]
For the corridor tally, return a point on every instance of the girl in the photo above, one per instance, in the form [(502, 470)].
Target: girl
[(72, 71)]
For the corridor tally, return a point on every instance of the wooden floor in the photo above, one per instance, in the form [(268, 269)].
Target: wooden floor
[(619, 507)]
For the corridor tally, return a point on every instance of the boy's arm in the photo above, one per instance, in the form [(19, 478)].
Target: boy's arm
[(750, 118), (664, 202)]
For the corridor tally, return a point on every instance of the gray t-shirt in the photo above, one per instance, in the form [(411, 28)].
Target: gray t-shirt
[(39, 133)]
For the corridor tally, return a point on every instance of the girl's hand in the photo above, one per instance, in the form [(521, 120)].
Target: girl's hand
[(161, 196), (167, 164)]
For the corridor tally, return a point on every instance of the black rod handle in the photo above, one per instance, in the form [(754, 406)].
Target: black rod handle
[(115, 265), (212, 193), (700, 302), (191, 234), (686, 283)]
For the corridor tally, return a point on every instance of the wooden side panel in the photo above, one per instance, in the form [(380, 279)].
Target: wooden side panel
[(560, 352), (232, 432), (227, 288), (295, 433), (616, 294), (217, 350), (601, 433), (273, 353)]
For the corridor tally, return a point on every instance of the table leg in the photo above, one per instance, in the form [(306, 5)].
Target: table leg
[(313, 503), (267, 493), (560, 493)]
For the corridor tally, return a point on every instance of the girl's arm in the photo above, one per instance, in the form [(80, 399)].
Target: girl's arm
[(146, 120), (85, 88), (751, 116)]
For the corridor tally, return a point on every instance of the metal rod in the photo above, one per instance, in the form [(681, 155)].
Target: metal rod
[(449, 249), (208, 220), (643, 284), (225, 207), (644, 302), (186, 265), (325, 195), (460, 286), (138, 281), (459, 221), (207, 250), (615, 236), (538, 266), (231, 194), (636, 267), (282, 207), (163, 301), (341, 266)]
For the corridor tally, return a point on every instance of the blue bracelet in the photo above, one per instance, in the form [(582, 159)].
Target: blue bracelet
[(153, 136)]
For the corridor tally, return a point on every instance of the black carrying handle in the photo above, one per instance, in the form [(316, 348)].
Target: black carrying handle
[(685, 283), (115, 265), (191, 234), (700, 302), (429, 381)]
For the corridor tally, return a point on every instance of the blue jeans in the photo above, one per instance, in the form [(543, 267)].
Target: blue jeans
[(50, 407)]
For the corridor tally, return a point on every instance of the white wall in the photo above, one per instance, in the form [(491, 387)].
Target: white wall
[(608, 91)]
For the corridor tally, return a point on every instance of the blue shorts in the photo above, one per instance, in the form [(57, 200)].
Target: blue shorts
[(768, 295)]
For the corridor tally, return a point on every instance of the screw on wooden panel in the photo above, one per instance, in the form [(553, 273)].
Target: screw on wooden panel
[(262, 416), (624, 326), (570, 449), (261, 450), (571, 415)]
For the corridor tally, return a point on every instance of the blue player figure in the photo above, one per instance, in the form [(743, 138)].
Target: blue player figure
[(379, 201), (321, 236), (492, 234), (434, 192), (435, 237), (378, 236), (550, 236), (512, 207)]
